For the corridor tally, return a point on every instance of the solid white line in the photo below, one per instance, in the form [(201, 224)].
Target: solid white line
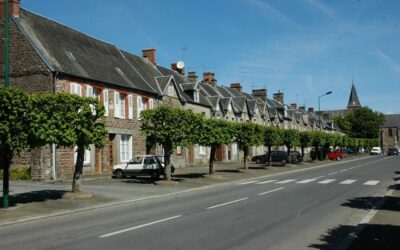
[(277, 189), (227, 203), (371, 183), (248, 182), (344, 170), (322, 176), (137, 227), (285, 181), (306, 181), (332, 173), (327, 181), (265, 182), (348, 182)]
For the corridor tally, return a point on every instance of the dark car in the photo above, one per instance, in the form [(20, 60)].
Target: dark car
[(392, 151), (279, 157)]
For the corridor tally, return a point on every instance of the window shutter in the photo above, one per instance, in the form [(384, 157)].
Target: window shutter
[(151, 103), (116, 104), (72, 88), (130, 107), (105, 101), (89, 91), (139, 106), (78, 89)]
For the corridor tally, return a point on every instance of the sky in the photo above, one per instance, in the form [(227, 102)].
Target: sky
[(303, 48)]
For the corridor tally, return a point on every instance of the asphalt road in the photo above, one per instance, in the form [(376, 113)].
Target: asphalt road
[(296, 210)]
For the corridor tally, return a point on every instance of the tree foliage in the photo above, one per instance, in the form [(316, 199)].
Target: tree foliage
[(290, 138), (214, 133), (246, 136), (305, 140), (171, 127)]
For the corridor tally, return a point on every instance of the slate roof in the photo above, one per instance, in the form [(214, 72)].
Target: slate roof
[(214, 101), (225, 101), (73, 53), (392, 121)]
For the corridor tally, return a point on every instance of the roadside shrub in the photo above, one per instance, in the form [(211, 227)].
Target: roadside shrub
[(20, 173)]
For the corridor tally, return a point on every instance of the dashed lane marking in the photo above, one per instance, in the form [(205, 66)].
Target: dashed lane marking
[(371, 183), (347, 182), (285, 181), (327, 181)]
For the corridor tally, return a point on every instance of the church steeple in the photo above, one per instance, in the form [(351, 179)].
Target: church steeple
[(354, 102)]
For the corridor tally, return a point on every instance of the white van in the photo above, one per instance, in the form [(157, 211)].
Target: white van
[(376, 151)]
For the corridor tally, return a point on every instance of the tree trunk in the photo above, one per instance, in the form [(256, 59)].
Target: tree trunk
[(76, 182), (5, 161), (302, 151), (211, 169), (167, 162), (245, 154), (269, 156), (288, 153)]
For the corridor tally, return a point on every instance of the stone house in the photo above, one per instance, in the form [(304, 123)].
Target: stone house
[(390, 132)]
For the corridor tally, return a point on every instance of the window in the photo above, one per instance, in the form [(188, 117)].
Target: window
[(119, 105), (89, 91), (202, 150), (390, 132), (125, 148), (130, 107), (87, 156), (178, 150), (105, 101), (234, 149), (76, 89)]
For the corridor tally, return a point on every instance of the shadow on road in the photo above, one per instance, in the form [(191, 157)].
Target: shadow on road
[(391, 203), (372, 237), (34, 196)]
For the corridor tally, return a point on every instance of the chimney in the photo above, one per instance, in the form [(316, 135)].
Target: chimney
[(310, 110), (192, 76), (150, 54), (209, 77), (278, 97), (13, 8), (237, 86), (293, 106), (174, 66), (262, 93)]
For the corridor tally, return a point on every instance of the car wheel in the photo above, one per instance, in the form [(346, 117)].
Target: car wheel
[(283, 162), (119, 174)]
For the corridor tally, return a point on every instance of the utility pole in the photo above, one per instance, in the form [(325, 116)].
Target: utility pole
[(6, 84)]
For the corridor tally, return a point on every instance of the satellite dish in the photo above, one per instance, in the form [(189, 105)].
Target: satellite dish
[(180, 64)]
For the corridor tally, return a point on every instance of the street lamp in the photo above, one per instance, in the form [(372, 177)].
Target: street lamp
[(319, 115)]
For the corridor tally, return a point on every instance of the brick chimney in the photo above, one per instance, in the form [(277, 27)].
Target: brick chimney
[(278, 97), (293, 105), (192, 76), (237, 86), (209, 77), (150, 54), (262, 93), (174, 66), (13, 7)]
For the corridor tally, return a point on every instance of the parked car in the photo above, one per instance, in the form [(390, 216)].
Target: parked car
[(140, 165), (279, 157), (376, 151), (392, 151), (335, 155)]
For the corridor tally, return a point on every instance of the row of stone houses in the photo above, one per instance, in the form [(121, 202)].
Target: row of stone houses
[(46, 56)]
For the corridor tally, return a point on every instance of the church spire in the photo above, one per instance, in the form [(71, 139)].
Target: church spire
[(354, 102)]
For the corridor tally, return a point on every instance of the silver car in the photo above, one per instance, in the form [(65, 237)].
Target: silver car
[(140, 165)]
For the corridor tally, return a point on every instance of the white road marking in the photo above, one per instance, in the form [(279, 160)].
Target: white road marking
[(265, 182), (247, 182), (322, 176), (139, 226), (227, 203), (371, 183), (348, 182), (306, 181), (274, 190), (344, 170), (332, 173), (285, 181), (327, 181)]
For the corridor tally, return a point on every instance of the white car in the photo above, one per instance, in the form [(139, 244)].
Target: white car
[(376, 151), (140, 165)]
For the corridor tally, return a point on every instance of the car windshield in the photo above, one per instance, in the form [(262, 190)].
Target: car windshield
[(136, 160)]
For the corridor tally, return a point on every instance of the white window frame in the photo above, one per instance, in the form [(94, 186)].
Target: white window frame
[(141, 105), (178, 150), (89, 91), (130, 107), (202, 150), (76, 89), (119, 105), (125, 148), (106, 102)]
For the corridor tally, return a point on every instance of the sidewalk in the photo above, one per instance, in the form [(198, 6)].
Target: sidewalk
[(37, 200)]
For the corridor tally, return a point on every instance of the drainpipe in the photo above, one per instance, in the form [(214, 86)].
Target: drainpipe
[(53, 146)]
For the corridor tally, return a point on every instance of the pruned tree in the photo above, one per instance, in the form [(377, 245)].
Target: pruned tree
[(214, 133), (246, 136), (68, 120), (290, 138), (272, 137), (305, 140), (14, 126), (170, 127)]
